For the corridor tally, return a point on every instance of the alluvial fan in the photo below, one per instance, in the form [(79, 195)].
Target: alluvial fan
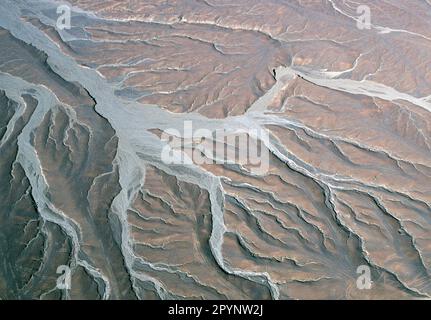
[(105, 106)]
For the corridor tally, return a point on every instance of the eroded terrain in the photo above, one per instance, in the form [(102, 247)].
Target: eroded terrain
[(85, 185)]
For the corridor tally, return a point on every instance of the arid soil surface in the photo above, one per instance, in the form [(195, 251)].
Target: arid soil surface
[(84, 183)]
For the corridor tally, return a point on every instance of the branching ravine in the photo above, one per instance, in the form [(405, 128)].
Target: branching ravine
[(138, 149)]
